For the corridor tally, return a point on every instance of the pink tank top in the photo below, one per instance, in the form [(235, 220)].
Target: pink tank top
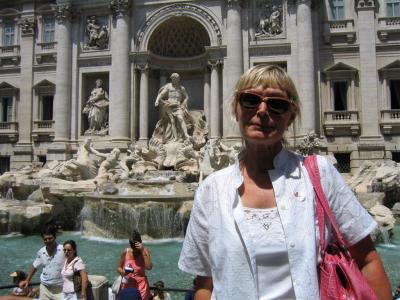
[(137, 278)]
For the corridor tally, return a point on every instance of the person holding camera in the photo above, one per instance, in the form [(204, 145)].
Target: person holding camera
[(132, 265)]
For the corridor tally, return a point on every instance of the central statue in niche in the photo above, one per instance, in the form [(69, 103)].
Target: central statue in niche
[(177, 128), (96, 110), (172, 99)]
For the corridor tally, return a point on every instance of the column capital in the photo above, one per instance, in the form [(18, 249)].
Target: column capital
[(232, 3), (27, 25), (365, 4), (142, 67), (215, 63), (119, 7), (306, 2), (63, 13)]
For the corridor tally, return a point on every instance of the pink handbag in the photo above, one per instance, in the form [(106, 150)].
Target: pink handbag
[(339, 276)]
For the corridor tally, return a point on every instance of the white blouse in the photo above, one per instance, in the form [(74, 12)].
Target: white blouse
[(272, 261), (219, 243)]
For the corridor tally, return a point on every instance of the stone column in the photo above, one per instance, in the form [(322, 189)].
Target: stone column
[(144, 104), (214, 100), (371, 145), (368, 69), (119, 112), (62, 97), (234, 62), (306, 79), (27, 25), (61, 148), (206, 95)]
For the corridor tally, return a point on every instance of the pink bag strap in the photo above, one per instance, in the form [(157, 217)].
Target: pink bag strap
[(311, 165)]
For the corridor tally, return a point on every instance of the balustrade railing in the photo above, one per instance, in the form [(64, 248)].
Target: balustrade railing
[(341, 116)]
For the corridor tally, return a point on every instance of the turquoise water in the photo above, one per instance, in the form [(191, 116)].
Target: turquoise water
[(101, 257)]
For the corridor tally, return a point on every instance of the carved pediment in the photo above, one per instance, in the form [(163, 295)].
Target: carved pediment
[(339, 67), (393, 65), (5, 85)]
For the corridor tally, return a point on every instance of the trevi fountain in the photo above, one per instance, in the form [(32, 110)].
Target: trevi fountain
[(150, 187)]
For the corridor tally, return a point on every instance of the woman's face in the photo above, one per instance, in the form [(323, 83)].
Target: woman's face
[(68, 251), (260, 125)]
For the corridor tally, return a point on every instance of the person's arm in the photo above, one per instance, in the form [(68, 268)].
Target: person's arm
[(26, 282), (146, 255), (371, 266), (120, 267), (161, 94), (204, 287), (85, 281)]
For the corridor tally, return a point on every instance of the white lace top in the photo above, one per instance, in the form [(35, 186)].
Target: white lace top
[(272, 262)]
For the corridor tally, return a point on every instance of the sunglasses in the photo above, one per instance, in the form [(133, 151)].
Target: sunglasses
[(275, 105)]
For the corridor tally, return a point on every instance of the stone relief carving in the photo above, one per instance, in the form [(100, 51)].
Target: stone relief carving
[(270, 19), (27, 25), (119, 7), (97, 35), (96, 110), (63, 12), (366, 4)]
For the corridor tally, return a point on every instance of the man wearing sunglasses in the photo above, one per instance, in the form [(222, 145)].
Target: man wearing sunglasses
[(51, 259)]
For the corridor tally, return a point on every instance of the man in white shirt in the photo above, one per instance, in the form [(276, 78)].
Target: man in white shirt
[(51, 259)]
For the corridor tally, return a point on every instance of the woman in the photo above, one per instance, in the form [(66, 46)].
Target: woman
[(159, 293), (252, 232), (73, 264), (132, 265)]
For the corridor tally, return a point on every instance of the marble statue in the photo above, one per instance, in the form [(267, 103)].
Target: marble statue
[(97, 35), (173, 99), (177, 127), (270, 21), (110, 161), (83, 166), (96, 110)]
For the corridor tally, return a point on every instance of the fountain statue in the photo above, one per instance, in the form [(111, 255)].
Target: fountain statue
[(96, 110), (10, 194)]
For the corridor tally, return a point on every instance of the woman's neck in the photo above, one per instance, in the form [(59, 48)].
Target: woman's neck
[(259, 157)]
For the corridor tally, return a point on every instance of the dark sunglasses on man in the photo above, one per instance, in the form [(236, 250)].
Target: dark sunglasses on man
[(275, 105)]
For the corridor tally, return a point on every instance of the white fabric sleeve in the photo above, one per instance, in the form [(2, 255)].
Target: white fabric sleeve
[(194, 258), (354, 222), (79, 265), (37, 262)]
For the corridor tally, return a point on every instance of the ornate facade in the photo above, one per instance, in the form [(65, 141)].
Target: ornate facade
[(58, 56)]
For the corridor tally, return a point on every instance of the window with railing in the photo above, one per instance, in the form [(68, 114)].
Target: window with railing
[(340, 90), (337, 9), (343, 162), (4, 164), (394, 88), (6, 109), (8, 33), (47, 108), (48, 29), (393, 8)]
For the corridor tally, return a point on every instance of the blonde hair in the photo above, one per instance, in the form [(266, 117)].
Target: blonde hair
[(267, 76)]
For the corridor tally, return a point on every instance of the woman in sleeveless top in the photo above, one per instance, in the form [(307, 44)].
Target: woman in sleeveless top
[(132, 265)]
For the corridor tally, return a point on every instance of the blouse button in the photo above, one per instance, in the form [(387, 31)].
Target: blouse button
[(292, 244)]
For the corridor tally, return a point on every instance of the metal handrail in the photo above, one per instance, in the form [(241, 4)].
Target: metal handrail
[(10, 286)]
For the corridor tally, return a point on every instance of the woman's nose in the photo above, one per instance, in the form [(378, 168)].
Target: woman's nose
[(262, 108)]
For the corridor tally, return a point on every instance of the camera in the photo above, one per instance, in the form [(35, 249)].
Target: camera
[(128, 269)]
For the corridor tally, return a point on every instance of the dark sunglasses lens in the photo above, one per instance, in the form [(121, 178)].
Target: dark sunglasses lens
[(249, 100), (277, 106)]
